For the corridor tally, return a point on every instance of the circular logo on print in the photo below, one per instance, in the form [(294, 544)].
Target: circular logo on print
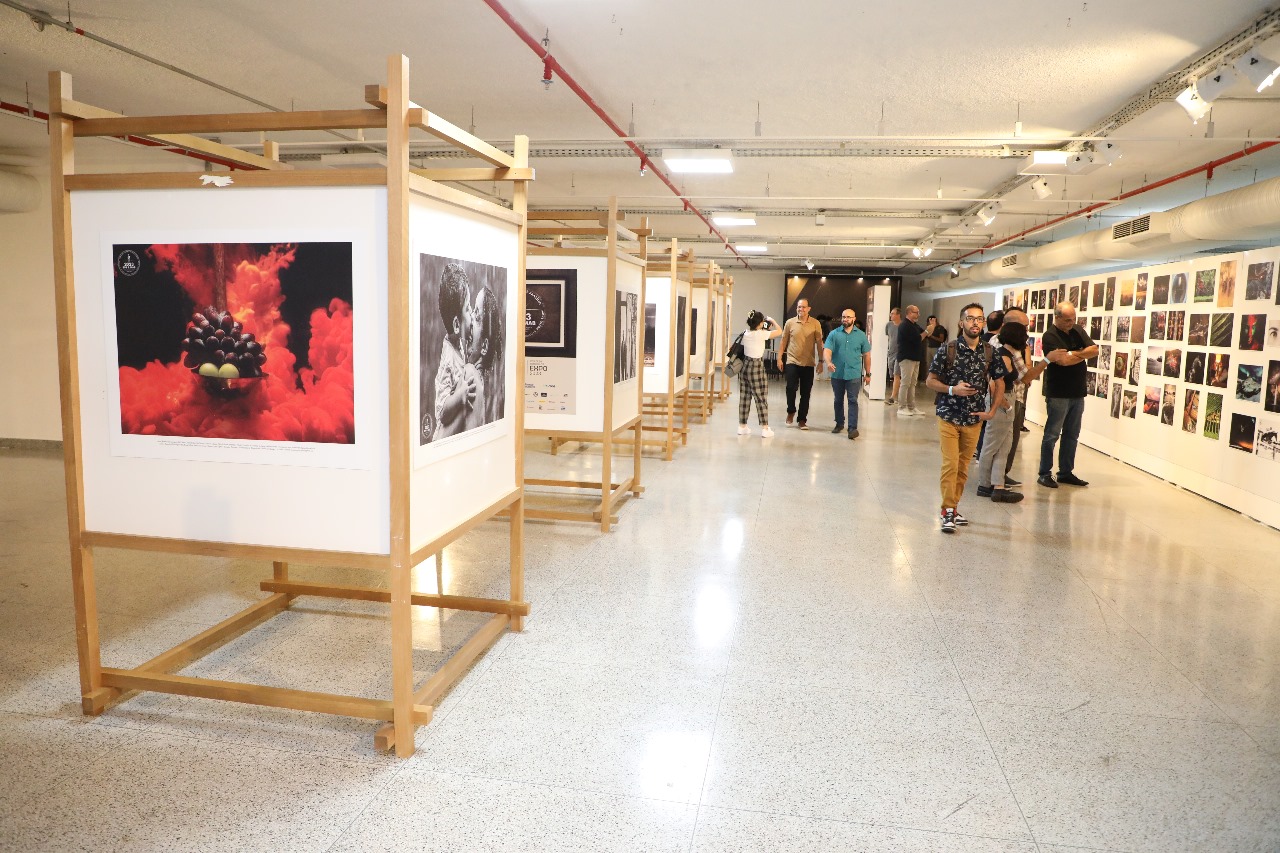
[(128, 262), (428, 427), (534, 315)]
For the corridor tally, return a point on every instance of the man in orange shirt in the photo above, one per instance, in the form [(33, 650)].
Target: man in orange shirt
[(801, 347)]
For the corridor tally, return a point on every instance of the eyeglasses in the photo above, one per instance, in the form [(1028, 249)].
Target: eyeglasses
[(968, 318)]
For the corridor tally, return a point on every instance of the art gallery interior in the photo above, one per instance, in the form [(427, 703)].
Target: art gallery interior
[(370, 476)]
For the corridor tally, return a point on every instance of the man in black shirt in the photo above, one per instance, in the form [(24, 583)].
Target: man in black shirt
[(1066, 347), (910, 354)]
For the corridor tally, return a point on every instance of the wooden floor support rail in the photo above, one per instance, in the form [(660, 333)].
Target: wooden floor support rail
[(420, 599), (568, 484), (437, 685), (256, 694)]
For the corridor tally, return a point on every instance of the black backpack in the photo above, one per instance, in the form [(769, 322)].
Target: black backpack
[(737, 352)]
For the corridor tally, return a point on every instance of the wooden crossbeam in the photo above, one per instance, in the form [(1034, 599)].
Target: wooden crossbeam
[(442, 129), (256, 694), (568, 231), (78, 110), (232, 123), (478, 174), (421, 599)]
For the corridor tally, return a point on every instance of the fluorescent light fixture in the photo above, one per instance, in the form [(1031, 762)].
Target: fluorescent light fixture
[(751, 248), (1195, 106), (1107, 152), (1041, 188), (987, 213), (731, 218), (820, 219), (699, 161), (1045, 163), (1212, 85), (1257, 69)]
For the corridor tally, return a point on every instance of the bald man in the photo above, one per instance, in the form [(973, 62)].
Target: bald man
[(910, 353), (1067, 346)]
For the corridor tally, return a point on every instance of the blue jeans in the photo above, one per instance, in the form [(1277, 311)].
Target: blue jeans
[(1063, 419), (851, 387)]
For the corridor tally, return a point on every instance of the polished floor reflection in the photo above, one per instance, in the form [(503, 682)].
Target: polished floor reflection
[(775, 650)]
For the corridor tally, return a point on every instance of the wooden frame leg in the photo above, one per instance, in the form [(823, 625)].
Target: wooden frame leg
[(636, 447), (517, 558), (85, 594), (402, 659)]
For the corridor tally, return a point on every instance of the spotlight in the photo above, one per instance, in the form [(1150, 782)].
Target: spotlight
[(987, 213), (1213, 84), (917, 251), (955, 270), (1041, 188), (644, 170), (1257, 69), (808, 264), (1080, 161), (1195, 106), (1108, 152)]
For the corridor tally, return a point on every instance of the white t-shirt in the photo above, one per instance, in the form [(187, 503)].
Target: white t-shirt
[(753, 342)]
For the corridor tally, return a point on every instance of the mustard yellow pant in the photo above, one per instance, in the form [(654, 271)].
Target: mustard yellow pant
[(958, 444)]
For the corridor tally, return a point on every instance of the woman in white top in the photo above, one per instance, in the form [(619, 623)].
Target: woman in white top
[(752, 382)]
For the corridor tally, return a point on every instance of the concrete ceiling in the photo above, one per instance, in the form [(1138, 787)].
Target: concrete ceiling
[(885, 117)]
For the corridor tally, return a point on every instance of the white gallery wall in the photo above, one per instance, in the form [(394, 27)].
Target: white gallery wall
[(30, 386), (755, 290)]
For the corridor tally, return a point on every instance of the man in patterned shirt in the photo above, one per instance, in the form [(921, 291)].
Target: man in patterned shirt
[(959, 374)]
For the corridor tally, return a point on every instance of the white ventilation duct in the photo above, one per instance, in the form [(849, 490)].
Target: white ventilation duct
[(1248, 213), (19, 193)]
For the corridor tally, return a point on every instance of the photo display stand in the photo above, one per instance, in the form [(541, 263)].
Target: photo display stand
[(332, 437), (1186, 385), (666, 381), (721, 385), (583, 360), (704, 279)]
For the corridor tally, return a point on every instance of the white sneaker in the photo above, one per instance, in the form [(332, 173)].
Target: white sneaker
[(765, 432), (743, 429), (904, 413)]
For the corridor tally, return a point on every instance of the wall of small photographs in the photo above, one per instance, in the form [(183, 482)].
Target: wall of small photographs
[(1187, 381)]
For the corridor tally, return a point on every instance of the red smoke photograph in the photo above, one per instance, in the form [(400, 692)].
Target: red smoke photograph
[(249, 341)]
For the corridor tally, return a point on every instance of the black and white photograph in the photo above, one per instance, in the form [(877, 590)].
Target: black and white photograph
[(551, 313), (1095, 328), (1101, 392), (1249, 383), (1104, 356), (1073, 296), (1194, 373), (1135, 366), (650, 333), (1116, 397), (1198, 330), (1267, 439), (1160, 290), (1173, 362), (1191, 411), (1091, 384), (693, 331), (462, 352), (1178, 289), (1155, 361), (1271, 397), (1108, 327), (1110, 301), (1122, 329), (682, 314), (1221, 328), (1129, 407), (626, 323), (1176, 326), (1218, 370), (1243, 428), (1259, 283)]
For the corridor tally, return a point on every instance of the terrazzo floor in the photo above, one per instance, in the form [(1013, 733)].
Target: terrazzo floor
[(775, 650)]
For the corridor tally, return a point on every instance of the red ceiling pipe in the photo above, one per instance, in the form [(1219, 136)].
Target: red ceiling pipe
[(1207, 168), (550, 65), (19, 109)]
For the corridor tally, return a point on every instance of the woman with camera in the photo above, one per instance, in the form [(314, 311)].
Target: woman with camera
[(752, 382)]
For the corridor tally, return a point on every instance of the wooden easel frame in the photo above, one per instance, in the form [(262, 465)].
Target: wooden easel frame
[(720, 384), (392, 110), (668, 412), (612, 494), (704, 276)]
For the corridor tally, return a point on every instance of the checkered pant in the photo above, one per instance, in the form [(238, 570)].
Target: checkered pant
[(753, 385)]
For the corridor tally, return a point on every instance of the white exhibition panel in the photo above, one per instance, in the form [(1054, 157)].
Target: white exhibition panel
[(1245, 481), (588, 366), (453, 480), (701, 303), (876, 320), (626, 398), (719, 310), (683, 288), (289, 494), (656, 376)]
